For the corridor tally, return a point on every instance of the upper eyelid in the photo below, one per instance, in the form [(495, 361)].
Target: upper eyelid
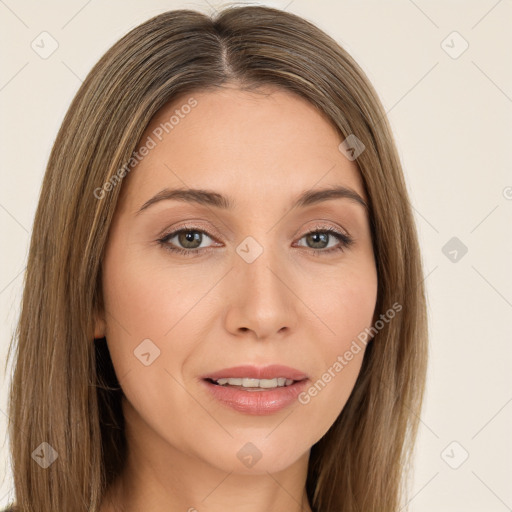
[(323, 225), (318, 228), (187, 227)]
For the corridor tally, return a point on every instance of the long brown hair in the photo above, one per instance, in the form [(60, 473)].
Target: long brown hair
[(64, 392)]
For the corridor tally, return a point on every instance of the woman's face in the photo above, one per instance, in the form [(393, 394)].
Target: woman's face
[(238, 275)]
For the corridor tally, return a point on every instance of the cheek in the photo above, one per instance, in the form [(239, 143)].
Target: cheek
[(146, 300), (344, 304), (133, 300), (146, 311), (346, 307), (134, 308)]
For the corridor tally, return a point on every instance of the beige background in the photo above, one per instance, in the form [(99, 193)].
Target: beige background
[(452, 118)]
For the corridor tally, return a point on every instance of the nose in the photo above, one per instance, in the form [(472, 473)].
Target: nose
[(260, 298)]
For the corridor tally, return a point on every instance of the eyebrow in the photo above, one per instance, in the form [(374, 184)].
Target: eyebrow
[(211, 198)]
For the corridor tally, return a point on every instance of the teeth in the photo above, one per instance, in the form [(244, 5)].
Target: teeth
[(256, 383)]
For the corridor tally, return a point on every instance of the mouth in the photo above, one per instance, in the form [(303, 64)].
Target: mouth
[(256, 390), (253, 378), (249, 384)]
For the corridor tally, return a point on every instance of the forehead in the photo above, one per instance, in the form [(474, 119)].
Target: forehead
[(261, 144)]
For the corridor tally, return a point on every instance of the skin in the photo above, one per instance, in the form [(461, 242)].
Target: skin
[(294, 305)]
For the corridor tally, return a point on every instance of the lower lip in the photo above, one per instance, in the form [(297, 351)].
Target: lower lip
[(257, 402)]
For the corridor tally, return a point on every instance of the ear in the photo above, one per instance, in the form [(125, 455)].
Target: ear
[(100, 326)]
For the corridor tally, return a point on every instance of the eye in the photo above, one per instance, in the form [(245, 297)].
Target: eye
[(320, 240), (187, 241)]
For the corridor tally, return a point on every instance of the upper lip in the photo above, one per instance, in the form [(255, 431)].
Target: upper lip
[(272, 371)]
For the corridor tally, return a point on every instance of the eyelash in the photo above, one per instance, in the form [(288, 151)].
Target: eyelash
[(344, 239)]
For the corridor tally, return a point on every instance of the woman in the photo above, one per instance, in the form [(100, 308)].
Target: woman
[(224, 305)]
